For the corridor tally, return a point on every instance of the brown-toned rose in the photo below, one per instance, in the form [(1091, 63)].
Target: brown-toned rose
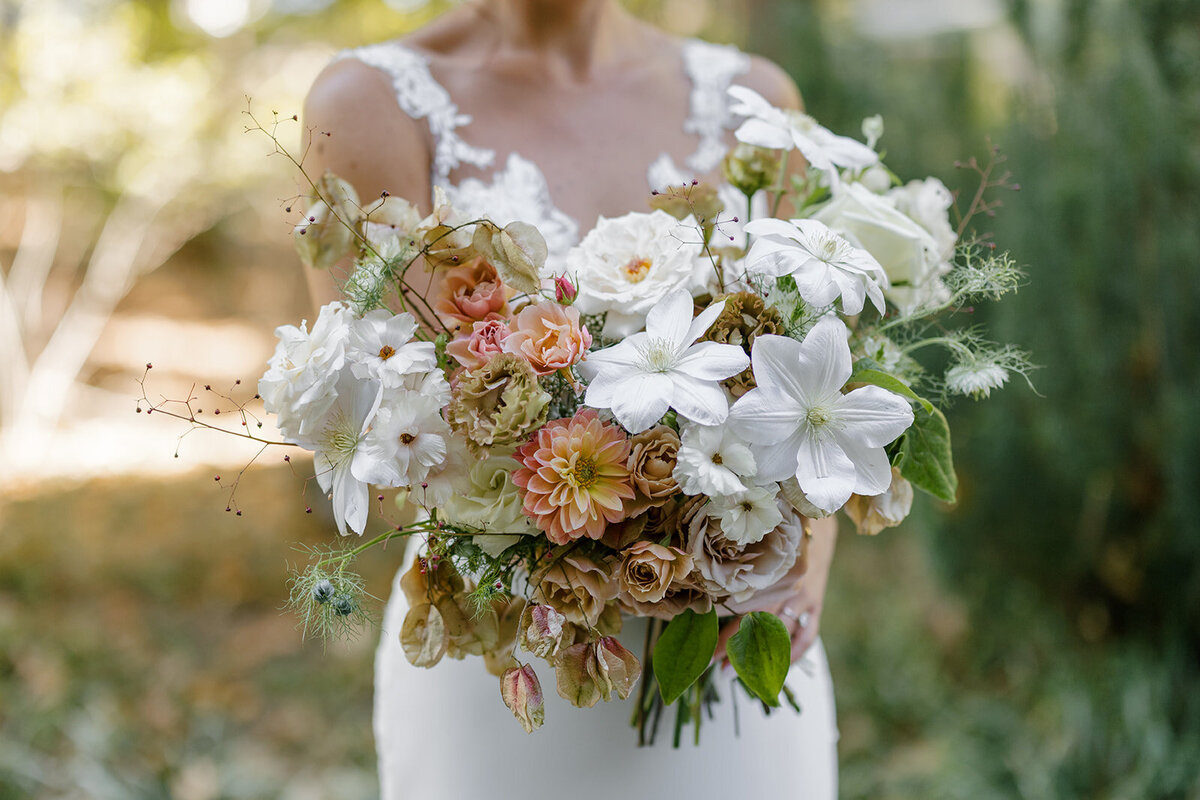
[(522, 693), (887, 510), (739, 571), (549, 336), (577, 587), (657, 581), (745, 317), (470, 292), (652, 456), (647, 569)]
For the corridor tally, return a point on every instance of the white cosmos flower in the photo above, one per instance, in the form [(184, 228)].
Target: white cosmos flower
[(664, 367), (298, 386), (341, 464), (748, 516), (768, 126), (712, 461), (381, 347), (407, 439), (624, 266), (800, 424), (824, 265)]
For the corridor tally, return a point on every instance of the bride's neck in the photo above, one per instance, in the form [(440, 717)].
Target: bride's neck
[(570, 38)]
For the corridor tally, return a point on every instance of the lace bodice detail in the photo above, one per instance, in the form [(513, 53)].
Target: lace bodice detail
[(518, 190)]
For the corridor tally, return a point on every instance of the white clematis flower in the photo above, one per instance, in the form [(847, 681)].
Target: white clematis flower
[(800, 424), (768, 126), (824, 265), (381, 347), (748, 516), (664, 367), (712, 461)]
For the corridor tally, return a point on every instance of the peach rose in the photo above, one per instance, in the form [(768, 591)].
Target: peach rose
[(652, 457), (470, 292), (648, 569), (549, 336), (476, 348), (576, 587)]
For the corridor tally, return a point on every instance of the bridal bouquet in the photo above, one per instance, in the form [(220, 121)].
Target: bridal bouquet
[(645, 427)]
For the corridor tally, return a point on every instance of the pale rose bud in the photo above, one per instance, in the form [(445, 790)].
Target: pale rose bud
[(522, 693), (617, 669), (564, 291), (542, 631), (326, 233)]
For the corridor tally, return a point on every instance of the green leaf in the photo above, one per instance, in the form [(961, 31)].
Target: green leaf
[(761, 652), (925, 456), (684, 651), (864, 374)]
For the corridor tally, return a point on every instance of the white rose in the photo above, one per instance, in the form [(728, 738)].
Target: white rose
[(299, 384), (928, 202), (908, 253), (624, 266), (491, 501)]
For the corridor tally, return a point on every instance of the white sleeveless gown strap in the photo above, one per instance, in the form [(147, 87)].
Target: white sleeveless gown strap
[(444, 734)]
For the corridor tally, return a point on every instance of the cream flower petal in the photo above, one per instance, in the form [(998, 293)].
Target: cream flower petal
[(872, 470), (777, 462), (699, 401), (671, 318), (825, 472), (713, 361), (640, 400), (764, 417), (877, 415)]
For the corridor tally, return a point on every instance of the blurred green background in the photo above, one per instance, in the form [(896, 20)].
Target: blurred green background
[(1041, 639)]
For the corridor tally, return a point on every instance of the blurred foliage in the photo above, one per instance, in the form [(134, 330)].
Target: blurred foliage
[(1076, 542)]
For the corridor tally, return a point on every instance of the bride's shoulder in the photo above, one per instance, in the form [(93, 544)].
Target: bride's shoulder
[(772, 82)]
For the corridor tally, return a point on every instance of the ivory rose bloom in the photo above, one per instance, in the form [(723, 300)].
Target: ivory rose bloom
[(470, 292), (577, 587), (910, 255), (549, 336), (625, 266), (652, 458), (476, 348)]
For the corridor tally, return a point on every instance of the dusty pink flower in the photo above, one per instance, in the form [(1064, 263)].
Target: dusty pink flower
[(589, 671), (574, 480), (476, 348), (470, 292), (522, 693), (549, 336), (541, 630)]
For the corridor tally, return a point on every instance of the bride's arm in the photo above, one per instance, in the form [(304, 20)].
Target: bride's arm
[(358, 131)]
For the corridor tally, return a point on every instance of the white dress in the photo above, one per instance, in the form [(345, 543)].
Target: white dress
[(443, 733)]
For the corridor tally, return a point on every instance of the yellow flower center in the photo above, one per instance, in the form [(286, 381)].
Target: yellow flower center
[(637, 269), (386, 352), (584, 474), (818, 417)]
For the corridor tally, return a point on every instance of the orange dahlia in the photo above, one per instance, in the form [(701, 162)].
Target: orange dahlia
[(574, 480)]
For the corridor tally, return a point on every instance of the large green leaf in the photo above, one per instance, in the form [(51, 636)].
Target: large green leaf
[(761, 652), (925, 456), (875, 377), (684, 651)]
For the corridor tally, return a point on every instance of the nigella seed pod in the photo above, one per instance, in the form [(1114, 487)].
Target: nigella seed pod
[(322, 592), (343, 604)]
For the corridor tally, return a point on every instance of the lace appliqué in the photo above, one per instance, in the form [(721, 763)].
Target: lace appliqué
[(518, 192), (712, 68), (422, 97)]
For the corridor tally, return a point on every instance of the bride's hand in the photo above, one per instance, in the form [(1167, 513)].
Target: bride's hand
[(800, 605)]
